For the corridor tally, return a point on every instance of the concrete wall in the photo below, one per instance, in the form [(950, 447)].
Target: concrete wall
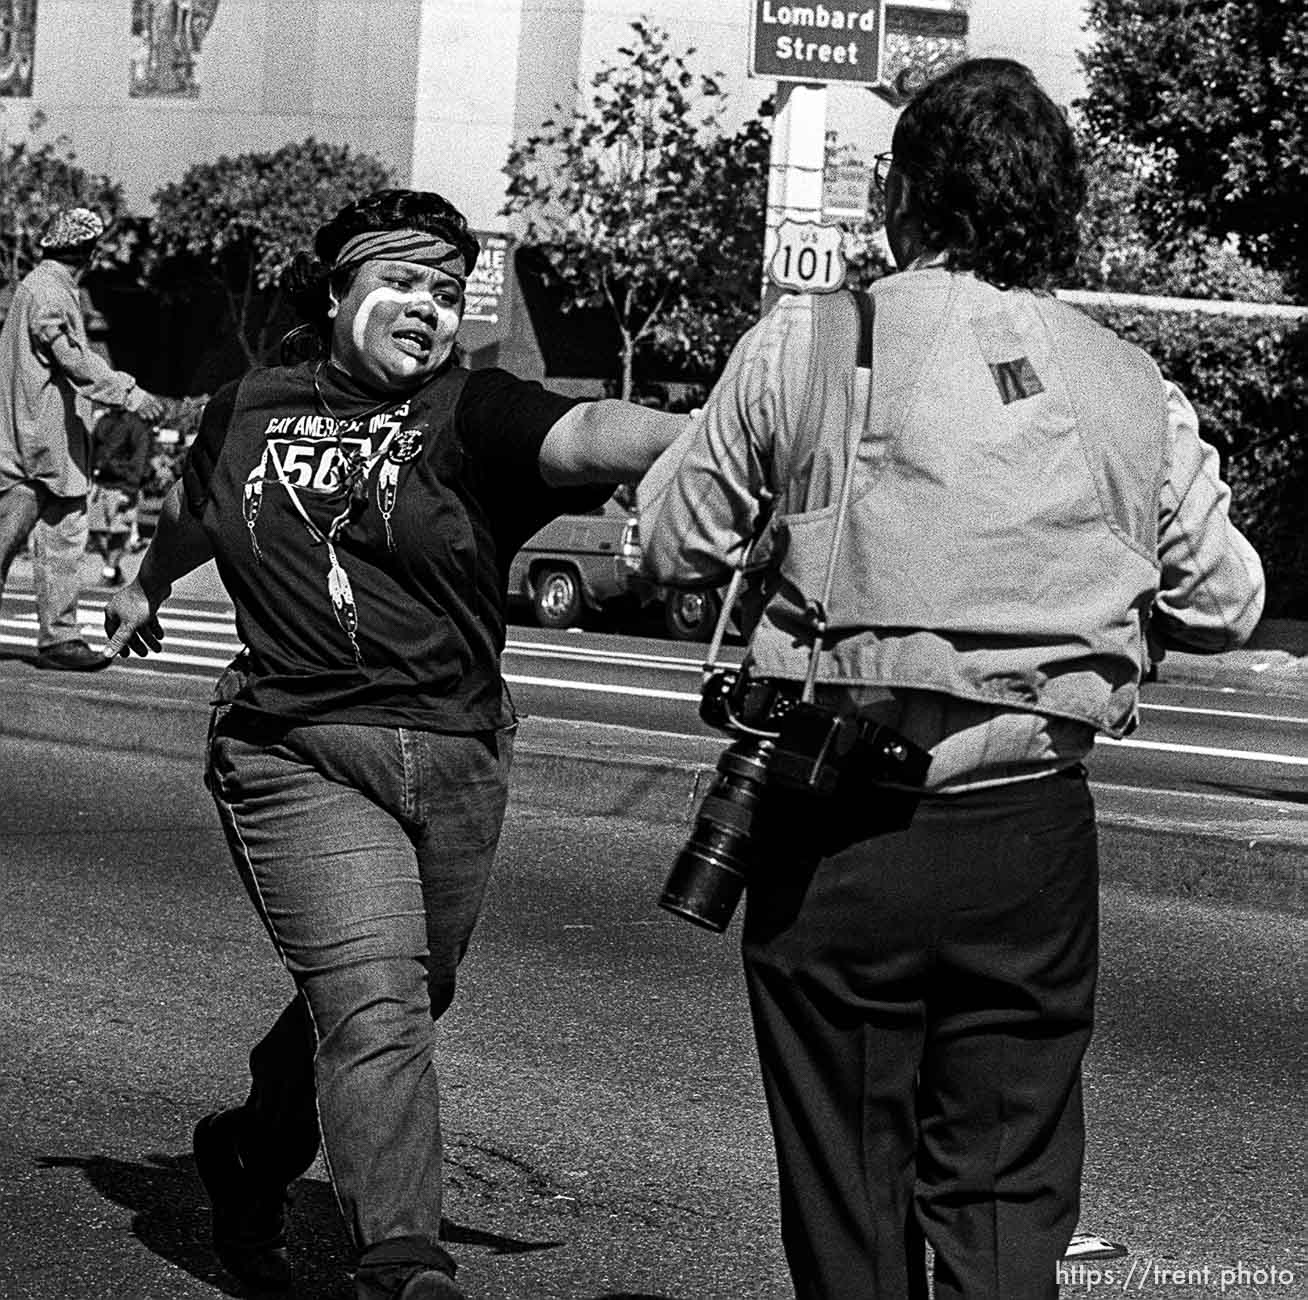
[(271, 71), (437, 88)]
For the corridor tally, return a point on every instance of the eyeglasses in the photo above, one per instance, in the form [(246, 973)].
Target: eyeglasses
[(881, 165)]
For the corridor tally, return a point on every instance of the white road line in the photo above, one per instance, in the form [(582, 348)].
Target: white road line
[(599, 688), (196, 661), (1197, 796), (195, 643), (1225, 713), (166, 656), (1207, 751), (591, 655), (222, 617)]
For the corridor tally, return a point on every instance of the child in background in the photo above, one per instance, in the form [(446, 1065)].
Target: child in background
[(120, 450)]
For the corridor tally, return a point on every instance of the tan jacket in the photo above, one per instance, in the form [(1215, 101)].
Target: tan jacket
[(1027, 491), (49, 378)]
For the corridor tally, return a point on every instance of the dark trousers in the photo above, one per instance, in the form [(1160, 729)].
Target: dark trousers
[(922, 985)]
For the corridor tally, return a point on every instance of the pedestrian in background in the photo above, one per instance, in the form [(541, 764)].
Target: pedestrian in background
[(974, 500), (49, 379), (363, 507), (120, 450)]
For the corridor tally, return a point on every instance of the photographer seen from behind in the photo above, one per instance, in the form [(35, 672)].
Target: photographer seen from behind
[(970, 500), (363, 507)]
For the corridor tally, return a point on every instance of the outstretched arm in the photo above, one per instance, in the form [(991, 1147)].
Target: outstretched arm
[(91, 374), (608, 441), (179, 545), (1211, 585)]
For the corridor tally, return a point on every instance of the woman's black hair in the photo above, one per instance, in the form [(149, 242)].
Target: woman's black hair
[(996, 178), (309, 281)]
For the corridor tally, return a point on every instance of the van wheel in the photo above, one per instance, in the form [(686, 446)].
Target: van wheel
[(557, 600), (691, 615)]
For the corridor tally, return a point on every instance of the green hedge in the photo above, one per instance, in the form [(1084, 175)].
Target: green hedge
[(1248, 380)]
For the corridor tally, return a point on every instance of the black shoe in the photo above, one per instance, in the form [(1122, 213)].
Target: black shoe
[(431, 1284), (71, 657), (249, 1216), (396, 1270)]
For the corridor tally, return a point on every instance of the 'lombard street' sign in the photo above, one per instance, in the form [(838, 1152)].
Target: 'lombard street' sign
[(818, 43)]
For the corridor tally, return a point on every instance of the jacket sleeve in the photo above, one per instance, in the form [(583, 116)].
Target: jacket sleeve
[(707, 495), (1211, 585), (88, 372)]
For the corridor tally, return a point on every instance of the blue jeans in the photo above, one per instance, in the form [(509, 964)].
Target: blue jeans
[(366, 851)]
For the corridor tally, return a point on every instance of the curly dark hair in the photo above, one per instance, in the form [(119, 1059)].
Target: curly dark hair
[(309, 276), (397, 210), (996, 177)]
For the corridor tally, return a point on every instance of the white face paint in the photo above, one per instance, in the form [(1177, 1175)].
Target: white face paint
[(397, 324)]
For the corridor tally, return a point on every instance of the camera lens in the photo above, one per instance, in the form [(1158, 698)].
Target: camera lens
[(707, 879)]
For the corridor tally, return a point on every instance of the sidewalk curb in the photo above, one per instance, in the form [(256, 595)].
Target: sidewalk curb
[(581, 769)]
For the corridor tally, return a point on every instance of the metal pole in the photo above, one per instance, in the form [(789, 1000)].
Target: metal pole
[(799, 137)]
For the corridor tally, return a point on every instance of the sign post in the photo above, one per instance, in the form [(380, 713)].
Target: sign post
[(804, 48), (799, 133)]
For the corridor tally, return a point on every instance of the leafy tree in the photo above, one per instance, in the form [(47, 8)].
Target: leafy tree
[(240, 221), (701, 328), (36, 179), (721, 300), (642, 206), (1118, 254), (1205, 99)]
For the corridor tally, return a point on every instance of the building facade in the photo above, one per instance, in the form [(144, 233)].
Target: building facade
[(436, 88)]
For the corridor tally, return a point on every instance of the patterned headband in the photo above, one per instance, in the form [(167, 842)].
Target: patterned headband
[(404, 246)]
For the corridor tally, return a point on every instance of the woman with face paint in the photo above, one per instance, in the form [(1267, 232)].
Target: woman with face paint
[(363, 507)]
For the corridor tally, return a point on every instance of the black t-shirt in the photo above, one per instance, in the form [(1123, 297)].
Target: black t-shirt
[(365, 541)]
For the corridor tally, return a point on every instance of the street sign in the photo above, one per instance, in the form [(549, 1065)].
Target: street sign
[(845, 188), (484, 296), (818, 43), (808, 257)]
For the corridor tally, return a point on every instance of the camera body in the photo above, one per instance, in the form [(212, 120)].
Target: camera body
[(784, 742)]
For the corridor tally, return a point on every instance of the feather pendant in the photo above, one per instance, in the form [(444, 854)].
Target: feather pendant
[(252, 499), (388, 478), (342, 598)]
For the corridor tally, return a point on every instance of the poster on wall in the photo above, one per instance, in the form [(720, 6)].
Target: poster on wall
[(484, 298), (17, 41), (168, 35)]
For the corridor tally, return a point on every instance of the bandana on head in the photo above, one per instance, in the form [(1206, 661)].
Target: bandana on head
[(71, 227), (404, 246)]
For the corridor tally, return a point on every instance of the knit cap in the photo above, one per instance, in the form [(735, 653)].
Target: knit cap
[(70, 227)]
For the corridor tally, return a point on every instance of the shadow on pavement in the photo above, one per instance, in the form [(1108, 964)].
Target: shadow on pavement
[(458, 1234), (1255, 792), (171, 1218)]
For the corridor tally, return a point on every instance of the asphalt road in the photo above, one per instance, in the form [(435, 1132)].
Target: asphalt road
[(1204, 739), (606, 1133)]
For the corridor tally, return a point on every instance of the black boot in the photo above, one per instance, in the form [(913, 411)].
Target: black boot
[(249, 1214), (406, 1268)]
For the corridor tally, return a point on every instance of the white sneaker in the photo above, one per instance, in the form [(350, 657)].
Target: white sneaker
[(1089, 1245)]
